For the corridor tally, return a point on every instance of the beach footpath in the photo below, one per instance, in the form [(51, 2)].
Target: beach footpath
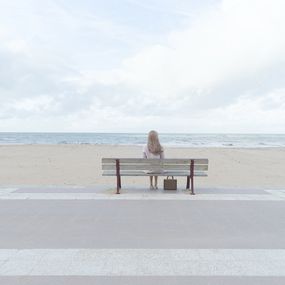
[(89, 235)]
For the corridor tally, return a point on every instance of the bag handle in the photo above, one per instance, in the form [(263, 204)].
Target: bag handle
[(170, 176)]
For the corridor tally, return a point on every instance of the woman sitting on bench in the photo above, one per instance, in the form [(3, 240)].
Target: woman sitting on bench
[(153, 150)]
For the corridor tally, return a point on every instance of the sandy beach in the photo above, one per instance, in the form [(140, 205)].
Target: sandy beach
[(80, 165)]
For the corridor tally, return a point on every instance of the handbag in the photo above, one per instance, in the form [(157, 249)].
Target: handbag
[(170, 184)]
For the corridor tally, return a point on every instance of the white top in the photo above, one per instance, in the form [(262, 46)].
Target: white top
[(148, 154)]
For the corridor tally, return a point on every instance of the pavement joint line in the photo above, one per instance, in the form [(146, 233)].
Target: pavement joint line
[(279, 193), (271, 196), (144, 262), (4, 191)]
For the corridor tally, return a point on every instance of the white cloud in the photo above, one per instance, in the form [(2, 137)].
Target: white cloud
[(39, 104), (226, 64), (234, 41), (262, 114), (232, 51)]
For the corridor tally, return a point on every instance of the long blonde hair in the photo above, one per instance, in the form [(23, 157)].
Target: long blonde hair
[(153, 143)]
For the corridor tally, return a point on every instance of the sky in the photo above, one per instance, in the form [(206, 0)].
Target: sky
[(187, 66)]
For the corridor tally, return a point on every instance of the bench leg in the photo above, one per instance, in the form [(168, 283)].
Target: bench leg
[(118, 176), (188, 182), (192, 186), (118, 184)]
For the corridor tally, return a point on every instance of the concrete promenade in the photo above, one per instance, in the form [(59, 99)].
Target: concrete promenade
[(73, 235)]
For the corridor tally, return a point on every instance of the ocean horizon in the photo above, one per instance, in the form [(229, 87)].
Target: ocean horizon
[(167, 139)]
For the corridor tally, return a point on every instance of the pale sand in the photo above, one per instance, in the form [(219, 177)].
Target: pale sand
[(80, 165)]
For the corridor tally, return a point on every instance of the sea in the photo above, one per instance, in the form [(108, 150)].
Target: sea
[(167, 139)]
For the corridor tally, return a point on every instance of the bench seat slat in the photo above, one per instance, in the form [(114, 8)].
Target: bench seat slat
[(153, 167), (142, 173), (166, 160)]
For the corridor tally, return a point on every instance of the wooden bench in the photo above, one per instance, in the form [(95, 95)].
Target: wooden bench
[(155, 167)]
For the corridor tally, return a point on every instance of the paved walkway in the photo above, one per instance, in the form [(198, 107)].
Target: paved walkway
[(73, 235)]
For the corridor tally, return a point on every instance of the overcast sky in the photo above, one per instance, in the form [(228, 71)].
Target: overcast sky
[(135, 65)]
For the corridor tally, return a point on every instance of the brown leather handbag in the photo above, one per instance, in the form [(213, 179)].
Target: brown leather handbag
[(170, 184)]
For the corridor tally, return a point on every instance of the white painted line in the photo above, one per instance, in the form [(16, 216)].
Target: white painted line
[(143, 262), (278, 193), (141, 196), (5, 191)]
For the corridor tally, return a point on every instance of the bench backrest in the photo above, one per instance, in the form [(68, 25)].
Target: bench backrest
[(169, 164)]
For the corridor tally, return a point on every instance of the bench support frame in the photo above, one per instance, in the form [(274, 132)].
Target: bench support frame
[(190, 178), (118, 174)]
